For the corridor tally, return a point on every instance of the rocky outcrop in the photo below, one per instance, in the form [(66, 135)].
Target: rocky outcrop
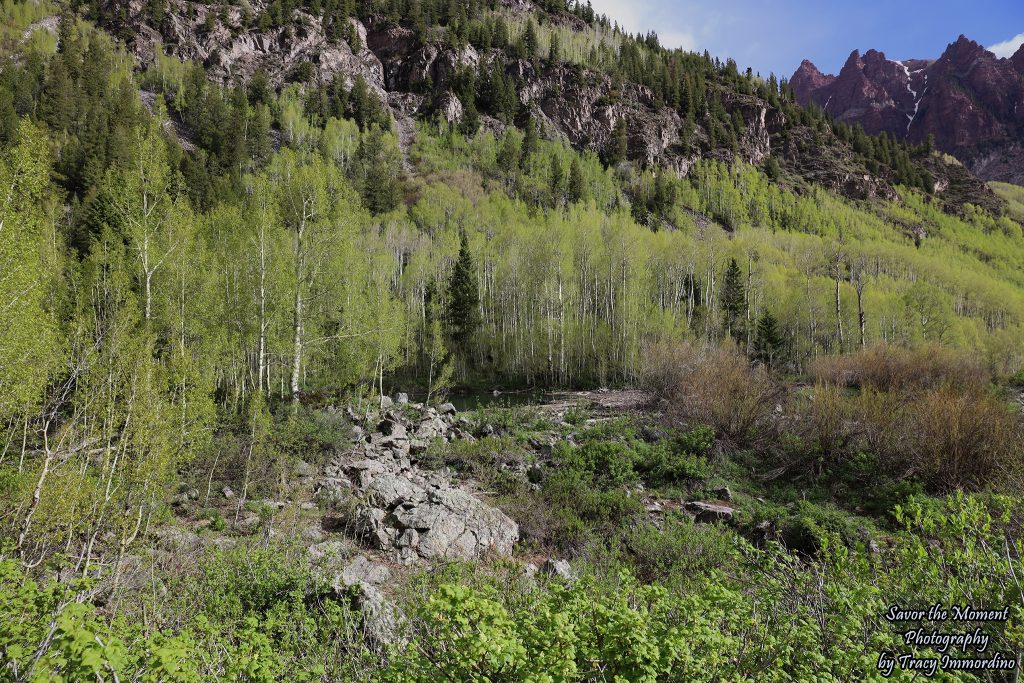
[(401, 510), (416, 79), (231, 52), (968, 100), (809, 79), (1018, 60)]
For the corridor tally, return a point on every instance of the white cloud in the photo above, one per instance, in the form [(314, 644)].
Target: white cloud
[(641, 16), (674, 39), (1007, 48), (629, 15)]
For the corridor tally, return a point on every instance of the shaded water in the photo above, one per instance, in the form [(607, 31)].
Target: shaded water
[(489, 399)]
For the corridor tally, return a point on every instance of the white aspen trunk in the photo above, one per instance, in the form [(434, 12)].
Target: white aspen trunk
[(839, 311), (261, 361), (561, 315), (296, 377)]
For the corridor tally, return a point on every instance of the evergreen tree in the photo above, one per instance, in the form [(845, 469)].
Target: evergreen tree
[(620, 143), (530, 40), (555, 49), (577, 183), (508, 153), (768, 340), (733, 300), (463, 314), (531, 141), (557, 181), (377, 170)]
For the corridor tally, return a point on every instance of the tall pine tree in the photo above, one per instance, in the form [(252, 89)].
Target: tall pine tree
[(768, 340), (463, 314), (733, 300)]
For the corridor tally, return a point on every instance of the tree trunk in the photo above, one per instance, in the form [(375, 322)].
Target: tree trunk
[(297, 348), (261, 361), (839, 312)]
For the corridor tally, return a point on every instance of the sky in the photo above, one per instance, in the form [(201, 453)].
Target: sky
[(776, 35)]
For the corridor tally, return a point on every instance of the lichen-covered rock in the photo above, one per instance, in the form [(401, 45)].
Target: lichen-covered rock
[(710, 512), (408, 512), (559, 568), (362, 570), (452, 524)]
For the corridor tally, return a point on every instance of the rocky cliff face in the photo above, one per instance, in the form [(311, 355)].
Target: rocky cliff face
[(575, 104), (1018, 59), (417, 79), (969, 100)]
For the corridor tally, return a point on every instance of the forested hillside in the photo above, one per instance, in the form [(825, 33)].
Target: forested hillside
[(204, 264)]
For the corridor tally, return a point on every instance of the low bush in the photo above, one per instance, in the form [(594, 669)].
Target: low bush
[(717, 387), (680, 552), (892, 368), (809, 526), (928, 415), (678, 460), (737, 613), (962, 440)]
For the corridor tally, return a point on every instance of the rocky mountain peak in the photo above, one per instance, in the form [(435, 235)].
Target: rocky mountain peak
[(1018, 59), (969, 101), (964, 52), (873, 56), (852, 62), (808, 77)]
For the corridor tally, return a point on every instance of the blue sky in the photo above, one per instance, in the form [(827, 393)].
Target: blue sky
[(776, 35)]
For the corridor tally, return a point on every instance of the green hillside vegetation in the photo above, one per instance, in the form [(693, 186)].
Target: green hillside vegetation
[(183, 302), (1014, 197)]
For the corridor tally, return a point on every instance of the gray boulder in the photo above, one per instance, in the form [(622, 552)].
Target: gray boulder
[(454, 524), (560, 568), (362, 570), (410, 513), (710, 512), (326, 551), (381, 619)]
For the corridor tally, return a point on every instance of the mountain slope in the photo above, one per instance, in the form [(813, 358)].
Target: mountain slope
[(580, 80), (970, 102)]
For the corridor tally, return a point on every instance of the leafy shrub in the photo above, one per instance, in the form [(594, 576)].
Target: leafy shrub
[(960, 440), (697, 440), (486, 461), (304, 431), (584, 498), (215, 519), (678, 460), (680, 551), (608, 463), (512, 419), (717, 387), (616, 428), (892, 368), (810, 525), (84, 647)]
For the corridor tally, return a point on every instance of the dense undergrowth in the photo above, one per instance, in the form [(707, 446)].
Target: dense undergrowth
[(795, 587), (181, 320)]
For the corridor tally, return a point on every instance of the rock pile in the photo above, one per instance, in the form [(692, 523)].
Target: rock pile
[(402, 510)]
